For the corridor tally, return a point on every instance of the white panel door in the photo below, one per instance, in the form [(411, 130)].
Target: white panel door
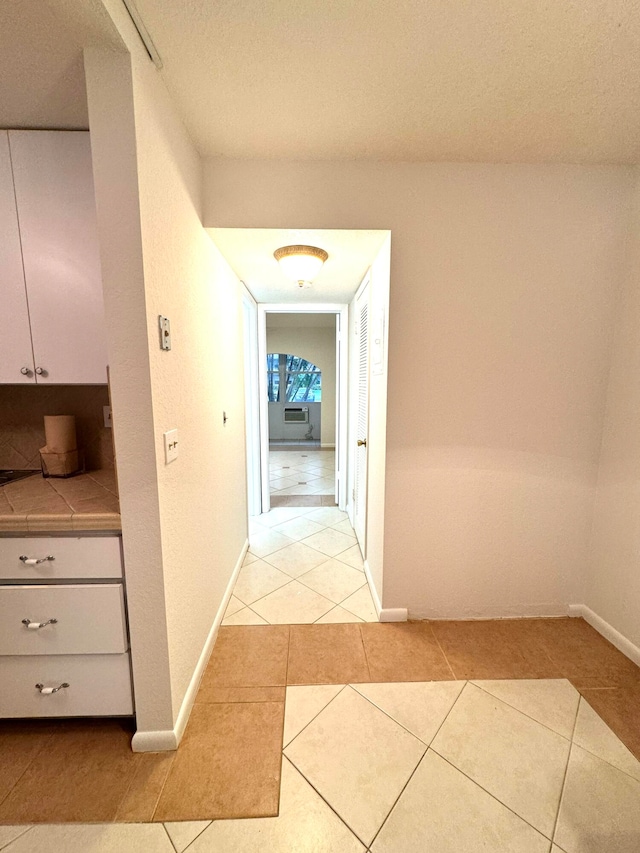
[(56, 211), (362, 424), (16, 356)]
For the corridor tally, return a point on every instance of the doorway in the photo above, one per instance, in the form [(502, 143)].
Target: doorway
[(281, 538)]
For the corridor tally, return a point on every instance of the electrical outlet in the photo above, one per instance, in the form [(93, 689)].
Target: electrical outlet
[(170, 445), (106, 414)]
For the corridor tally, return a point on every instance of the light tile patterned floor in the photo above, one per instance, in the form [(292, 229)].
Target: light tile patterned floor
[(302, 471), (304, 565), (496, 766)]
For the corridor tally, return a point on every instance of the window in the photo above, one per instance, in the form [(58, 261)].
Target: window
[(301, 379)]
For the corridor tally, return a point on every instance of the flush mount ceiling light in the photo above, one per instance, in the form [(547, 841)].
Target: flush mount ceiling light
[(301, 263)]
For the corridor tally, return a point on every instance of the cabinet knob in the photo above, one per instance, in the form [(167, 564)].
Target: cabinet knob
[(362, 442), (41, 371), (25, 371)]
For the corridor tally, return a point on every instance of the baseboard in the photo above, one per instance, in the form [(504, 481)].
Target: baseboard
[(164, 741), (393, 614), (327, 446), (608, 631)]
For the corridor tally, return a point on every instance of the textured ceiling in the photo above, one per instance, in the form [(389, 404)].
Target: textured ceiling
[(425, 80), (41, 71), (249, 252)]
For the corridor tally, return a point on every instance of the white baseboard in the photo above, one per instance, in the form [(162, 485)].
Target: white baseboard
[(393, 614), (608, 631), (164, 741), (385, 614)]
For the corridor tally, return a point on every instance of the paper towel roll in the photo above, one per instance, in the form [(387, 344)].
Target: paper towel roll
[(60, 433)]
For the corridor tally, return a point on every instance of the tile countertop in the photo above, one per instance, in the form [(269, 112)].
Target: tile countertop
[(84, 502)]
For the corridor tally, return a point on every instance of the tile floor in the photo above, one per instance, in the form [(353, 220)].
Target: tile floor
[(297, 470), (374, 737), (303, 565)]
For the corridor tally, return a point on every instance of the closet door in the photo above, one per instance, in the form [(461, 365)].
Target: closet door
[(16, 356), (56, 211)]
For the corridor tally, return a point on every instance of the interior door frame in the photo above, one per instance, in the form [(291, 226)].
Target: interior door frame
[(252, 409), (342, 377)]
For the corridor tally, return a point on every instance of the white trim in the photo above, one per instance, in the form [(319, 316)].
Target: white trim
[(342, 311), (164, 741), (394, 614), (608, 631), (252, 405), (372, 589), (327, 446)]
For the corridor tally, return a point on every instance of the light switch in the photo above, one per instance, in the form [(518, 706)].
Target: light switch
[(106, 414), (170, 445)]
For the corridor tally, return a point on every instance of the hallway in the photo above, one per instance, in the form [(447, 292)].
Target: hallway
[(303, 565)]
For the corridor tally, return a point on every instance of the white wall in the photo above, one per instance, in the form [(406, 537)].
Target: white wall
[(184, 525), (613, 581), (317, 345), (503, 287)]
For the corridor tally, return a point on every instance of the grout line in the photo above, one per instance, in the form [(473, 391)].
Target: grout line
[(442, 651), (27, 766), (324, 707), (566, 771), (193, 841), (364, 648), (164, 783), (395, 802), (20, 835), (595, 755), (493, 796), (397, 722), (519, 710), (327, 803), (170, 839)]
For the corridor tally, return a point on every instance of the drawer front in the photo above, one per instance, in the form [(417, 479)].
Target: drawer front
[(90, 619), (99, 685), (84, 557)]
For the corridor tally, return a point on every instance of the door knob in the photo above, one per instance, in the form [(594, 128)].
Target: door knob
[(362, 442)]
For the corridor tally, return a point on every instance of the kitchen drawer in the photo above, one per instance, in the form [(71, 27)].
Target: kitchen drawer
[(82, 557), (90, 619), (99, 685)]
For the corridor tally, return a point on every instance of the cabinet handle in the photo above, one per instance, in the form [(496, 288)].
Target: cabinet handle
[(41, 371), (25, 371), (47, 691), (34, 561), (33, 626)]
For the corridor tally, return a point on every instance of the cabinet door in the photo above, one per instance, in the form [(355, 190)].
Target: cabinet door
[(16, 356), (56, 210)]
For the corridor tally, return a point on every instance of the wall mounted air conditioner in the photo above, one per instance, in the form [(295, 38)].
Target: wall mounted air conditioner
[(298, 415)]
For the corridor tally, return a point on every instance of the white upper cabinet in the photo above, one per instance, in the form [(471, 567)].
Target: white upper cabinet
[(16, 356), (53, 182)]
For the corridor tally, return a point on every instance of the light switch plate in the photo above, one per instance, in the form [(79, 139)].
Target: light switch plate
[(106, 414), (170, 445)]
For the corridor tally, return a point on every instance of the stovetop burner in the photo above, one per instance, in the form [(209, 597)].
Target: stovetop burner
[(10, 475)]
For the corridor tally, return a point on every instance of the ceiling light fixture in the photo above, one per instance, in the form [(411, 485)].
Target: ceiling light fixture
[(300, 263)]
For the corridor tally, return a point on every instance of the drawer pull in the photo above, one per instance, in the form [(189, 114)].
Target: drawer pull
[(33, 626), (33, 561), (47, 691)]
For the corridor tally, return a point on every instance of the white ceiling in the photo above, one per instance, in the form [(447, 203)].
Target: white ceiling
[(249, 252), (41, 70), (423, 80)]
